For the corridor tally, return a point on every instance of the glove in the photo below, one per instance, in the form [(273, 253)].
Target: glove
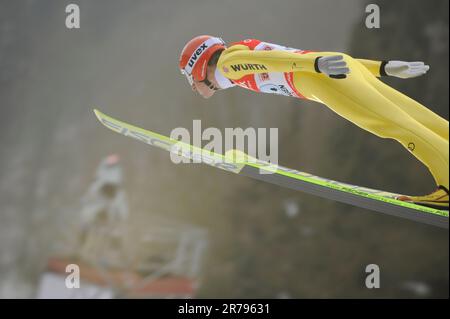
[(333, 65), (405, 70)]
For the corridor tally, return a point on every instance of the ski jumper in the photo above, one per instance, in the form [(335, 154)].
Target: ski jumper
[(359, 97)]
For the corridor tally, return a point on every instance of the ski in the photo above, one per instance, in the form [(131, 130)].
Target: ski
[(239, 163)]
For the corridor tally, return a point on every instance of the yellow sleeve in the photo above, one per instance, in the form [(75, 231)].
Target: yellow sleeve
[(375, 67), (238, 61)]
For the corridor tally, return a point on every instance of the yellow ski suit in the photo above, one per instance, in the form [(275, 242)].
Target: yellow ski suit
[(360, 98)]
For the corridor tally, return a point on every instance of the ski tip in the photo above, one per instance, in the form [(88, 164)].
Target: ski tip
[(98, 114)]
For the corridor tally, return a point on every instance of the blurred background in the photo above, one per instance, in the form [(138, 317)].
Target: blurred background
[(72, 191)]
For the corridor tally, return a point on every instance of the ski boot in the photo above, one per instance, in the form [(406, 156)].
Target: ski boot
[(438, 199)]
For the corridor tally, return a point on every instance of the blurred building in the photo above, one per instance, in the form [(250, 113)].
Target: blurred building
[(165, 263), (119, 259)]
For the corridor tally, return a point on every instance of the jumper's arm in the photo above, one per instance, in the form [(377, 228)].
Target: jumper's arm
[(238, 61), (375, 67)]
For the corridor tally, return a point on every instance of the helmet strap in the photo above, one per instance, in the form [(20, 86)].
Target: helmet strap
[(210, 85)]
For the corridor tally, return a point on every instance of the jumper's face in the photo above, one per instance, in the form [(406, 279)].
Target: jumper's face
[(202, 89)]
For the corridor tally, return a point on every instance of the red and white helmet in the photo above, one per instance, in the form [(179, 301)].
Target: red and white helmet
[(196, 54)]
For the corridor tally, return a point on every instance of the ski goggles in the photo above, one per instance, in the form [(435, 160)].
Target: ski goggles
[(190, 79)]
